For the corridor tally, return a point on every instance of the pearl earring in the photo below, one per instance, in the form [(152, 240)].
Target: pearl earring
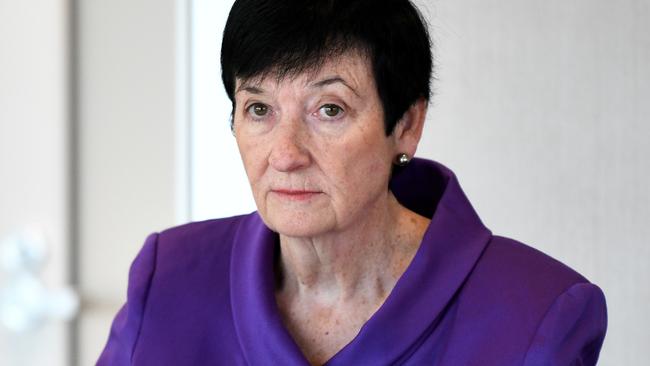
[(402, 159)]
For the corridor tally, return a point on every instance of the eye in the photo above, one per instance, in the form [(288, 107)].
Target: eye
[(258, 110), (330, 111)]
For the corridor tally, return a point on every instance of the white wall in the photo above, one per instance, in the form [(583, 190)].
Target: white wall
[(541, 109), (219, 184), (132, 149), (33, 155)]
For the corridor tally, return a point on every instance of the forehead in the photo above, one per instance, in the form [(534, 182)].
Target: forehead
[(353, 67)]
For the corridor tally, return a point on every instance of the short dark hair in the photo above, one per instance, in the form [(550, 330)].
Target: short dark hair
[(288, 37)]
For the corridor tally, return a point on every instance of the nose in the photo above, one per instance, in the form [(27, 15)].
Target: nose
[(288, 150)]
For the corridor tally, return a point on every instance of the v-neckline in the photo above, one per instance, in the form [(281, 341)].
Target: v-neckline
[(452, 244)]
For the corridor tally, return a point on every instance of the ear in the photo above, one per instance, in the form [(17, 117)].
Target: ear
[(408, 131)]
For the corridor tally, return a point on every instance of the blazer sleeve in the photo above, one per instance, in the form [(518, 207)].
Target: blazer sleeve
[(128, 321), (573, 329)]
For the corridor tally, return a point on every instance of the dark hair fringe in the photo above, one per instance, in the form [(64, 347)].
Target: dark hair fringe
[(285, 38)]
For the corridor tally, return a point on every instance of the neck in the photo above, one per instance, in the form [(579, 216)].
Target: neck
[(361, 262)]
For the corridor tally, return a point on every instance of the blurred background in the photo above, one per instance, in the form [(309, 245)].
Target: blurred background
[(113, 124)]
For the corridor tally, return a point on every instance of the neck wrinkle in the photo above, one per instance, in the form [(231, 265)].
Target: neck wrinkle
[(362, 263)]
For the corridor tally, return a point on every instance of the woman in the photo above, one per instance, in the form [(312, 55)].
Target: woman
[(357, 254)]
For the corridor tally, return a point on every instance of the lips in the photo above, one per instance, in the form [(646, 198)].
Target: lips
[(295, 195)]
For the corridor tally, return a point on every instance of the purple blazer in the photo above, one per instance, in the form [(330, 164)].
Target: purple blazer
[(203, 294)]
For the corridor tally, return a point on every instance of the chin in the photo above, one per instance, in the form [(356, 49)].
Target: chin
[(298, 219), (298, 225)]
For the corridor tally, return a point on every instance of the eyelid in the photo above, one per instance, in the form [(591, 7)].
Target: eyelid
[(250, 103), (341, 106), (338, 105)]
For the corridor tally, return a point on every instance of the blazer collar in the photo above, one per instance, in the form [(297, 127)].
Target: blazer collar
[(450, 248)]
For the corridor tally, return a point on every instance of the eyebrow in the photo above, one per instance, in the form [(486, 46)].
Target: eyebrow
[(333, 80), (250, 89), (319, 84)]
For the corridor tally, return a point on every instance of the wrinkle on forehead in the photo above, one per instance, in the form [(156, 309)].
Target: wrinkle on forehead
[(332, 67)]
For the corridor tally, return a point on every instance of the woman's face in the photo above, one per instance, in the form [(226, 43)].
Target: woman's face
[(314, 147)]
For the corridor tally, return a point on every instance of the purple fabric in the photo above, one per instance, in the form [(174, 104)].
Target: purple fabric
[(203, 294)]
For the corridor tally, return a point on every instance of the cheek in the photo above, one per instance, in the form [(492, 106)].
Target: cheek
[(368, 151), (252, 156), (255, 166), (362, 166)]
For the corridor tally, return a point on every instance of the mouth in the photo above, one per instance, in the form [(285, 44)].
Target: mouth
[(295, 195)]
